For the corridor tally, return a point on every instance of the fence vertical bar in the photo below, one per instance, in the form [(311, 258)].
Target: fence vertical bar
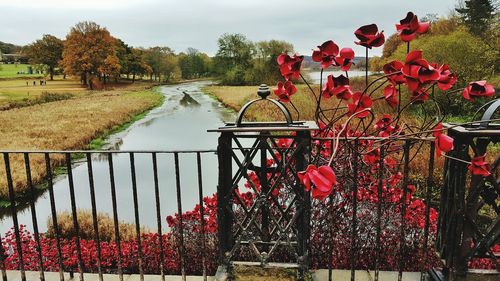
[(94, 214), (13, 210), (158, 214), (115, 214), (428, 194), (48, 170), (74, 214), (179, 210), (380, 177), (202, 216), (402, 239), (34, 220), (354, 223), (136, 214)]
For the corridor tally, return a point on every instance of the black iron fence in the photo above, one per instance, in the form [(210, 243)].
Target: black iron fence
[(382, 217), (66, 259)]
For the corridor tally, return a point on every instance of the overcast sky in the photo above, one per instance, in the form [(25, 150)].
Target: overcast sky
[(180, 24)]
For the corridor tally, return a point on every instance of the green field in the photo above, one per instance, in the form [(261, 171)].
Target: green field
[(15, 90), (11, 70)]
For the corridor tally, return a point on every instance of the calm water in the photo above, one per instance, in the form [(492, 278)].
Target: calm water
[(316, 75), (180, 123)]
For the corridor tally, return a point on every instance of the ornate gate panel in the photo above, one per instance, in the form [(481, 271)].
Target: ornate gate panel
[(263, 210)]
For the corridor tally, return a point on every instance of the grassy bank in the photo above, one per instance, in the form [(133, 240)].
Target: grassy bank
[(77, 123), (236, 96)]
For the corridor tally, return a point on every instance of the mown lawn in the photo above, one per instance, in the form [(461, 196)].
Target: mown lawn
[(12, 70), (15, 90)]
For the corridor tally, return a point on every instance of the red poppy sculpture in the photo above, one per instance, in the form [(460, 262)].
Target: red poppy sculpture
[(409, 27), (418, 71), (326, 54), (444, 143), (337, 86), (478, 89), (323, 179), (360, 102), (393, 72), (290, 66), (345, 58), (284, 91), (369, 36), (479, 167), (391, 95)]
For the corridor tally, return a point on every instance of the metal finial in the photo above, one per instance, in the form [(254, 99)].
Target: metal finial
[(263, 91)]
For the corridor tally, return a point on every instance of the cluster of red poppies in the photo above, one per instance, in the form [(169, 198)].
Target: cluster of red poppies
[(419, 75)]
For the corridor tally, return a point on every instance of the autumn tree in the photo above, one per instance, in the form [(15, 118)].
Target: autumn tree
[(89, 50), (47, 52)]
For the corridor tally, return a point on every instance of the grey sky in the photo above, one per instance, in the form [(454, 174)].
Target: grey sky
[(180, 24)]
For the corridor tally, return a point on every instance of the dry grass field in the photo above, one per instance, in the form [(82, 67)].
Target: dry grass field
[(67, 124)]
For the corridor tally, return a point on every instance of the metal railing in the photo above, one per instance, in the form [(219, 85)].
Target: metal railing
[(326, 215), (67, 161)]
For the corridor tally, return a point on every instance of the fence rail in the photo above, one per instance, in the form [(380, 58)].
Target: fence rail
[(350, 233)]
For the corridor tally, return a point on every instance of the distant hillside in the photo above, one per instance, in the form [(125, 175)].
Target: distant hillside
[(8, 48)]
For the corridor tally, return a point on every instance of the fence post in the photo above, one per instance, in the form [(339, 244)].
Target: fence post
[(224, 206)]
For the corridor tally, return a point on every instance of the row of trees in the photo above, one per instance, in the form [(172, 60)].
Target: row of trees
[(90, 52)]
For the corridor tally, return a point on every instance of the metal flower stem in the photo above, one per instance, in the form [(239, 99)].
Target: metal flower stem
[(366, 67)]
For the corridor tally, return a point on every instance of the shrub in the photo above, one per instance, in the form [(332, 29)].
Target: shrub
[(85, 222)]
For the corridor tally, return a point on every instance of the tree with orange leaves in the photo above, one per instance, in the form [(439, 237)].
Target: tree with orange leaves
[(89, 50)]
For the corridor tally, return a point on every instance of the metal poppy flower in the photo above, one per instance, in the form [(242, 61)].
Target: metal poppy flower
[(322, 178), (285, 90), (345, 58), (384, 126), (359, 102), (478, 89), (447, 79), (337, 86), (369, 36), (393, 69), (443, 142), (479, 167), (326, 54), (290, 66), (418, 71), (391, 95), (409, 27)]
